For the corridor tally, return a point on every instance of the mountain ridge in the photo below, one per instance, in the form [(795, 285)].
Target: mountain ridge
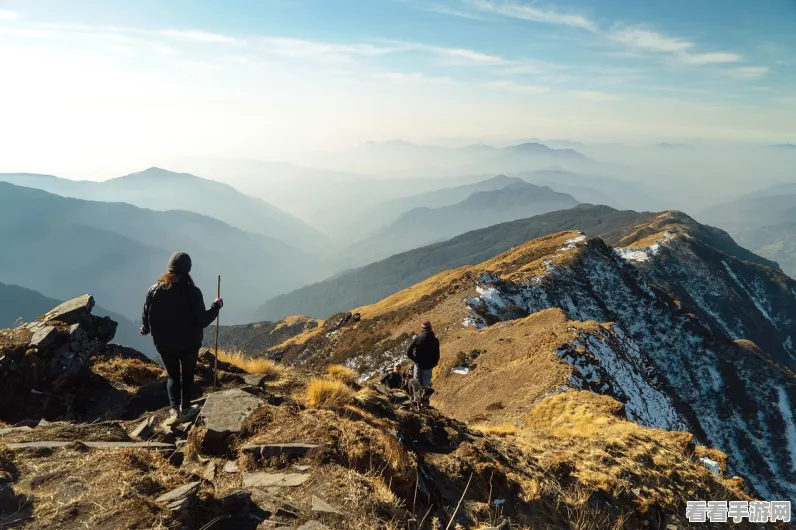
[(624, 328)]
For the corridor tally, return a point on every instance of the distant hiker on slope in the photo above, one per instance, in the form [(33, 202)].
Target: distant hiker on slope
[(393, 379), (175, 314), (424, 351)]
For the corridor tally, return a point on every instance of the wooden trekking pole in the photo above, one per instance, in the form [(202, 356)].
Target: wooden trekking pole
[(218, 317)]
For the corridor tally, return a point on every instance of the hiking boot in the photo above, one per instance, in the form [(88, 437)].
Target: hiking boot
[(189, 413), (174, 417)]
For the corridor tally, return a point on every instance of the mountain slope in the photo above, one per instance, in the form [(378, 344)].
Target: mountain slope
[(387, 212), (158, 189), (422, 226), (764, 222), (26, 305), (60, 246), (642, 323), (378, 280)]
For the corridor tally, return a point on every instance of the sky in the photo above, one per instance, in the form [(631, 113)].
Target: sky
[(104, 85)]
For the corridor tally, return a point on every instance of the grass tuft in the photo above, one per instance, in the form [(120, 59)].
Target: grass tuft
[(253, 365), (325, 393), (343, 374)]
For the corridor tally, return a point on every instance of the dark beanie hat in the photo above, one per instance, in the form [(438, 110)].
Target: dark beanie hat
[(180, 262)]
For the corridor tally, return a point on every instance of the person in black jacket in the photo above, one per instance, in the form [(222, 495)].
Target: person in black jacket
[(175, 314), (424, 351), (393, 379)]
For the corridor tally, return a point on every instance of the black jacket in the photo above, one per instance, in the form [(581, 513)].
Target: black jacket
[(393, 379), (424, 350), (176, 316)]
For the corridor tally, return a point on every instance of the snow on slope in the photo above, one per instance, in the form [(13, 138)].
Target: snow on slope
[(672, 368)]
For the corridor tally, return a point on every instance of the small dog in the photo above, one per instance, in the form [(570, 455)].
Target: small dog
[(418, 393)]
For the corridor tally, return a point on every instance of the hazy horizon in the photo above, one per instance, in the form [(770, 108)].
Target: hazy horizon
[(99, 89)]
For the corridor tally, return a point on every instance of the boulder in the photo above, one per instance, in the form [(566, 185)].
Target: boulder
[(224, 413), (230, 466), (8, 499), (72, 311)]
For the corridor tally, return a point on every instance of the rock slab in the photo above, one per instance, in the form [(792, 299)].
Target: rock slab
[(313, 525), (93, 445), (180, 493), (225, 412), (271, 450), (320, 505), (274, 480)]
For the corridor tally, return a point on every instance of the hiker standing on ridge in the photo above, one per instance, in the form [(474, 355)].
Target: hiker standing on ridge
[(424, 351), (175, 314)]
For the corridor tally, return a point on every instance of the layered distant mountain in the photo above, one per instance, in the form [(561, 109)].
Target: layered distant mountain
[(387, 212), (62, 246), (25, 305), (405, 159), (375, 281), (594, 189), (158, 189), (764, 221), (422, 226)]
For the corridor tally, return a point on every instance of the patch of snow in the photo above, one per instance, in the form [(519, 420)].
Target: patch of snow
[(461, 370), (755, 300), (633, 254), (711, 465), (716, 377), (571, 243), (790, 427)]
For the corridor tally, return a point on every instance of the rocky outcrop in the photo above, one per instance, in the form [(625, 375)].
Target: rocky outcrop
[(48, 353)]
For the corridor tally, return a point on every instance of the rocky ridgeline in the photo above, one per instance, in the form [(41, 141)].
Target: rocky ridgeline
[(261, 455), (51, 351)]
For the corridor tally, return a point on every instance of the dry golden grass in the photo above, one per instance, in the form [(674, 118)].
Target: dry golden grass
[(412, 294), (343, 374), (128, 371), (253, 365), (496, 430), (297, 320), (325, 393)]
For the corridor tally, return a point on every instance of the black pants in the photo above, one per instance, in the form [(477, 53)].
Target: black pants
[(180, 388)]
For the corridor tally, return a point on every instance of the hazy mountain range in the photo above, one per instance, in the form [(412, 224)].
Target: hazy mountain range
[(162, 190), (422, 226), (763, 221), (63, 247)]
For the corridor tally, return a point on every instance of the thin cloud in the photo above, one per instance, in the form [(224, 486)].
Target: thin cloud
[(307, 49), (192, 35), (650, 40), (522, 11), (710, 58), (511, 86), (6, 14), (592, 95), (748, 72), (471, 56), (413, 77)]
